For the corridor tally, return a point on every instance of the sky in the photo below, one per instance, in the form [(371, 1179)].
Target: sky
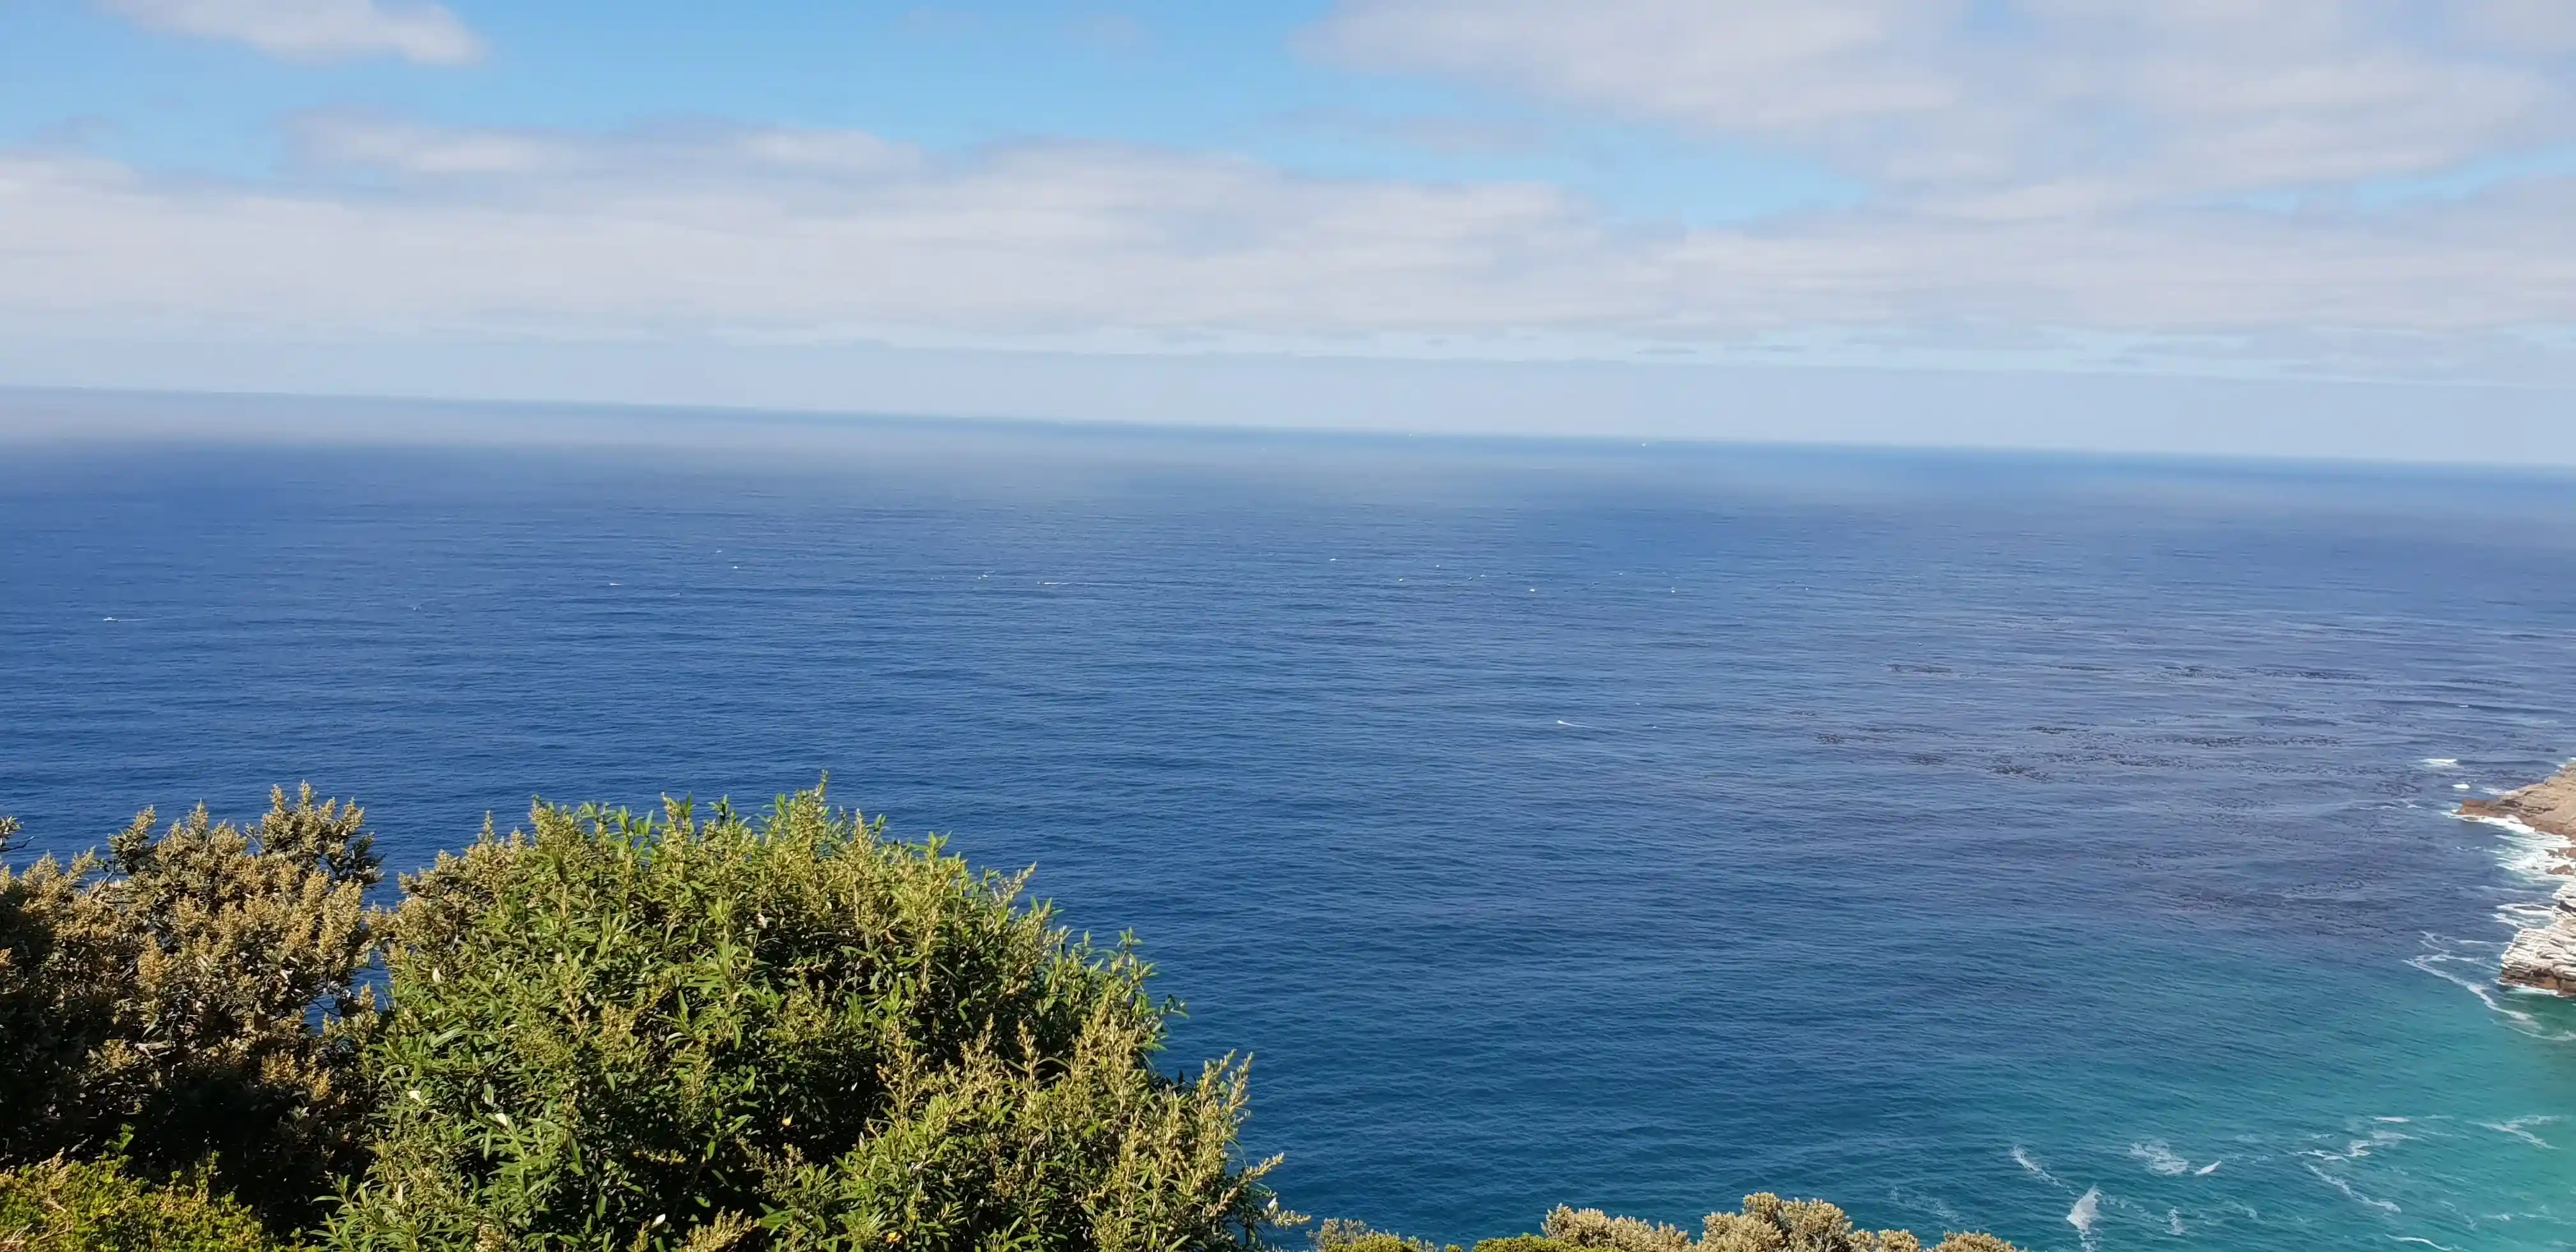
[(2181, 225)]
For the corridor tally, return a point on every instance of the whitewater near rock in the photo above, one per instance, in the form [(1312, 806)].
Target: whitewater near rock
[(2542, 956), (2545, 956), (2548, 807)]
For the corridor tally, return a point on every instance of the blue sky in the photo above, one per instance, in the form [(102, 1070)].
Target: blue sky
[(945, 77), (2375, 191)]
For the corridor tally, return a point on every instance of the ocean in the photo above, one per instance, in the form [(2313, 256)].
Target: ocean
[(2046, 845)]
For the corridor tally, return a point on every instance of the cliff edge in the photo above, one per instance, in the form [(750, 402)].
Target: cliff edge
[(2543, 956)]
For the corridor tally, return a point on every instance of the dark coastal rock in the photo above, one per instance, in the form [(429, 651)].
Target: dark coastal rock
[(2542, 956)]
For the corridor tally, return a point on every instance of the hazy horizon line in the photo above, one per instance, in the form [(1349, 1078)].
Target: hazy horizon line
[(97, 415)]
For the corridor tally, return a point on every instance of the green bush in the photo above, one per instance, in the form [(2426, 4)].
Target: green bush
[(1591, 1228), (91, 1206), (615, 1032), (1766, 1223), (623, 1034), (193, 995), (1347, 1236)]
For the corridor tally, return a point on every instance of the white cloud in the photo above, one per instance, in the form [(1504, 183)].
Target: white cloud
[(2532, 25), (316, 30), (790, 232), (2024, 108), (680, 154), (800, 235)]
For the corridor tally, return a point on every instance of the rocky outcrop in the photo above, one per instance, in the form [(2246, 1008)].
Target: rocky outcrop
[(2548, 807), (2543, 956)]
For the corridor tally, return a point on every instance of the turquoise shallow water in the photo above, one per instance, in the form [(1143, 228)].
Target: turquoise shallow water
[(1956, 837)]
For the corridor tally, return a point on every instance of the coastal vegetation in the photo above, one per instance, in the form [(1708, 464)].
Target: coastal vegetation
[(1766, 1223), (62, 1205), (194, 997), (627, 1033)]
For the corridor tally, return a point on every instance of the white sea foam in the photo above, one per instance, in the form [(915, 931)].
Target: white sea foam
[(2536, 860), (1932, 1204), (2159, 1158), (2470, 965), (2087, 1210), (2519, 1128), (2022, 1158), (2441, 762), (2514, 824), (2526, 852), (2356, 1197), (2360, 1148)]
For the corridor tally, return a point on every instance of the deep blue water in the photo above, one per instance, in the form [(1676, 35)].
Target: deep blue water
[(1949, 836)]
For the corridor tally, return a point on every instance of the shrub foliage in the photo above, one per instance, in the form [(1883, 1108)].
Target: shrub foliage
[(1343, 1235), (63, 1205), (615, 1032), (1766, 1223), (195, 994)]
